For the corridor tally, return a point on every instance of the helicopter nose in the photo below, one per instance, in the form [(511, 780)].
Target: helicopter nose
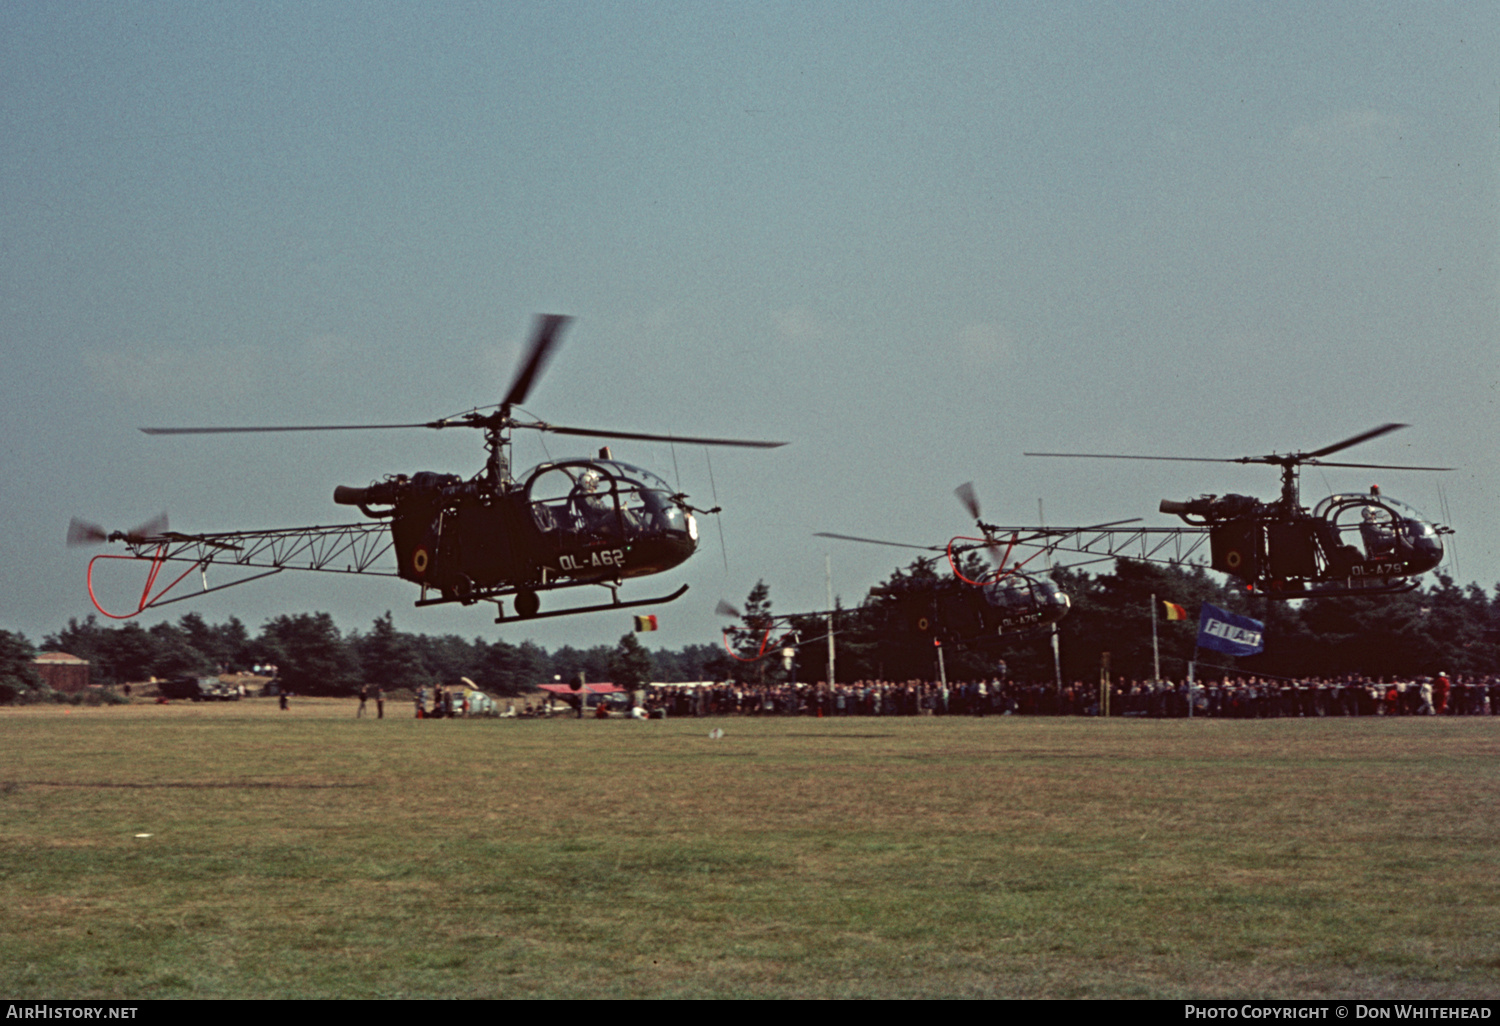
[(1429, 552), (662, 552)]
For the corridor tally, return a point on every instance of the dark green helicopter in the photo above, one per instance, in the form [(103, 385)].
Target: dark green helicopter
[(1348, 544), (491, 537)]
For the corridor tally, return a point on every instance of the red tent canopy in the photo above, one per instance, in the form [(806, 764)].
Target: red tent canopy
[(593, 689)]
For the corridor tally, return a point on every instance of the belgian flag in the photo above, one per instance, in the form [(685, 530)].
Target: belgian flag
[(645, 623), (1174, 611)]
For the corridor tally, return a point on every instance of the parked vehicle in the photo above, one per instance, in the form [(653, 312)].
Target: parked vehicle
[(199, 689)]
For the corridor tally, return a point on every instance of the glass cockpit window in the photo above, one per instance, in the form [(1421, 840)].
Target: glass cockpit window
[(603, 498), (1010, 593), (637, 476), (575, 498), (646, 502), (1379, 527)]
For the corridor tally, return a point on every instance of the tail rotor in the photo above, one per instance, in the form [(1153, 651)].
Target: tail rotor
[(82, 532), (998, 552)]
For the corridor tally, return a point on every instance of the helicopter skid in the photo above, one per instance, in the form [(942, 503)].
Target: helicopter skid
[(601, 607), (1342, 590), (497, 595)]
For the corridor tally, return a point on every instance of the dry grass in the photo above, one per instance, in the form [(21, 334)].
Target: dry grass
[(310, 854)]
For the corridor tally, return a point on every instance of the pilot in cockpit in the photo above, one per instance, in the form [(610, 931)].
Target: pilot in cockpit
[(590, 508), (1379, 538)]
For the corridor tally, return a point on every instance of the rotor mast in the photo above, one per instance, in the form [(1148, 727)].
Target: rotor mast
[(497, 426), (1291, 463), (497, 442), (1291, 501)]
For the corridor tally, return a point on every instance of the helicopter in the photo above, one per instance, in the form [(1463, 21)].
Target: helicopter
[(1009, 600), (953, 610), (492, 537), (957, 609), (764, 624), (1352, 543)]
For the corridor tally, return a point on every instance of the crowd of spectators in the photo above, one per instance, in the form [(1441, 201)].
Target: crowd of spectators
[(1239, 697)]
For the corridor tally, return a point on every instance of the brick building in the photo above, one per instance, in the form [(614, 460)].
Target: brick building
[(62, 672)]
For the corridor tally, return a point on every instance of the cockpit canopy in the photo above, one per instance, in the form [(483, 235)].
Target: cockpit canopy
[(605, 501), (1017, 592), (1382, 528)]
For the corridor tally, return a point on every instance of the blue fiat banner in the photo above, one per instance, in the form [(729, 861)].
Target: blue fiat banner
[(1228, 633)]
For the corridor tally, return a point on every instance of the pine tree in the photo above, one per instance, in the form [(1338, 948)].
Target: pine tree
[(754, 642), (18, 677), (313, 657), (391, 659), (630, 664)]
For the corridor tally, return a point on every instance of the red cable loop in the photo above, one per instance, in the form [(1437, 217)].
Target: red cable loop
[(1028, 559), (758, 655), (999, 573), (147, 600)]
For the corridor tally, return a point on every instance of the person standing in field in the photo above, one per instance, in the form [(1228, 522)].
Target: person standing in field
[(379, 703), (364, 693)]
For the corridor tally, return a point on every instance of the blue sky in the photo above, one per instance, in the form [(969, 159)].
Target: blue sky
[(913, 240)]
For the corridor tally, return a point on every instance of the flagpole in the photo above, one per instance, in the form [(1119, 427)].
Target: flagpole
[(1056, 661), (828, 575), (1193, 663), (1041, 518), (1192, 679), (1155, 649)]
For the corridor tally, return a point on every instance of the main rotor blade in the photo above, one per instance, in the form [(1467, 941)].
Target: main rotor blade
[(877, 541), (543, 341), (1306, 458), (1384, 429), (1274, 458), (1117, 456), (1374, 466), (286, 427), (968, 497), (644, 437), (1034, 535)]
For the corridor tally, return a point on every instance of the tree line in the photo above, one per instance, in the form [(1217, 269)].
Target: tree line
[(312, 656), (1438, 628)]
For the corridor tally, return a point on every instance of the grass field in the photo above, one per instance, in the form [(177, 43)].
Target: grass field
[(310, 854)]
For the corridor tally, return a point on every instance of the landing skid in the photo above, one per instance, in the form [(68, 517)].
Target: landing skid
[(1344, 591), (616, 604)]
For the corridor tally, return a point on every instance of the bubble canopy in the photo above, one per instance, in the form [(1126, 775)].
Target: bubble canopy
[(602, 501)]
